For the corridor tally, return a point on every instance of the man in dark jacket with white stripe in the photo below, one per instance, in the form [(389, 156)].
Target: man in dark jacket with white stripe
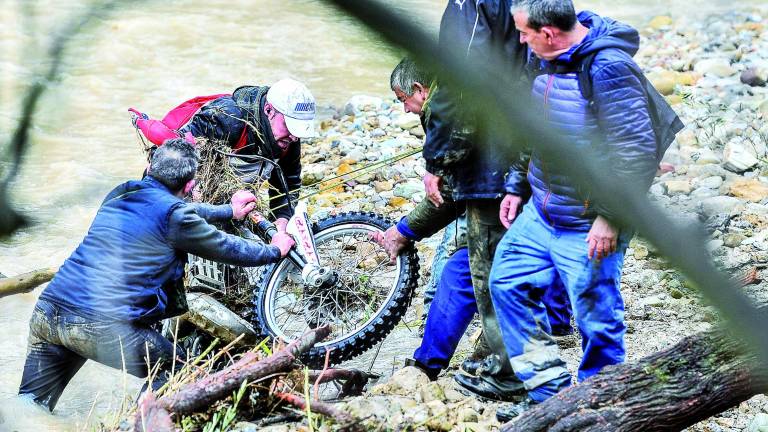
[(468, 158), (127, 272), (561, 232)]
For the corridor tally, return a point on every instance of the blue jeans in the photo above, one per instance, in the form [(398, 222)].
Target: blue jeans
[(451, 237), (454, 307), (61, 341), (531, 256)]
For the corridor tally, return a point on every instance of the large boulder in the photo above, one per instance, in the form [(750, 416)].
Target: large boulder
[(359, 104)]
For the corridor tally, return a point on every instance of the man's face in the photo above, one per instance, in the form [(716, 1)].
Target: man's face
[(279, 129), (538, 41), (415, 102)]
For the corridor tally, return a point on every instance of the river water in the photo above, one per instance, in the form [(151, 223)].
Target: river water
[(152, 56)]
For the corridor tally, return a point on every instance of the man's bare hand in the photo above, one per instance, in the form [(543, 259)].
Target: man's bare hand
[(243, 202), (392, 241), (281, 224), (283, 241), (508, 209), (602, 239), (432, 188)]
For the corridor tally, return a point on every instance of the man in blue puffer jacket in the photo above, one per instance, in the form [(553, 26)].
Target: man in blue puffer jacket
[(123, 276), (561, 233)]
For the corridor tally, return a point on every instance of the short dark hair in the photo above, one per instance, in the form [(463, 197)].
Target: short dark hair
[(174, 164), (405, 74), (554, 13)]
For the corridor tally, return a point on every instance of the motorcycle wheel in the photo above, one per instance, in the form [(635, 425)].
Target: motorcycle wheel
[(368, 300)]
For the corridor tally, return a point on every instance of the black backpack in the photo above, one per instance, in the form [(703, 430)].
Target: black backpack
[(665, 121)]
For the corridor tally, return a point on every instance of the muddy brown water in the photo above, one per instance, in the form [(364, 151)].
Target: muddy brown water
[(151, 57)]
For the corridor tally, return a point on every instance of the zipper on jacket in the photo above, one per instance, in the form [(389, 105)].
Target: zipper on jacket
[(550, 82)]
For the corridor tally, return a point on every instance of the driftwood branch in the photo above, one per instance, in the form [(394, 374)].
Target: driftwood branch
[(201, 394), (699, 377), (26, 282), (151, 417), (345, 420)]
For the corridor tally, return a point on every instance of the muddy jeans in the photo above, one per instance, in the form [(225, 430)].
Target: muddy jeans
[(484, 231), (61, 341)]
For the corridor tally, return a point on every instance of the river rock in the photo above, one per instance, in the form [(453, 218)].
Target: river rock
[(733, 240), (417, 131), (718, 205), (431, 392), (677, 187), (653, 301), (739, 156), (312, 174), (404, 382), (718, 67), (750, 190), (381, 186), (359, 104), (754, 77), (759, 423), (705, 156), (712, 182), (408, 121), (407, 190), (664, 82), (660, 22)]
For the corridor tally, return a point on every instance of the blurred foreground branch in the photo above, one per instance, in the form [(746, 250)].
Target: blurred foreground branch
[(492, 91)]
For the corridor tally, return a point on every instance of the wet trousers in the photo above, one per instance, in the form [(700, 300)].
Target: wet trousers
[(529, 258), (61, 341)]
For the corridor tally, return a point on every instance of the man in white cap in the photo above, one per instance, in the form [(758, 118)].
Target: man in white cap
[(253, 120)]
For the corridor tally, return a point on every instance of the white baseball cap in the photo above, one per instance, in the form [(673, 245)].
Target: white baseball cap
[(293, 99)]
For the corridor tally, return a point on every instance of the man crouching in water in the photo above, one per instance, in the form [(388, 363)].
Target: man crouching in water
[(122, 277)]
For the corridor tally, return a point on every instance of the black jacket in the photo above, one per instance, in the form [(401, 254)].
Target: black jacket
[(457, 149), (228, 118)]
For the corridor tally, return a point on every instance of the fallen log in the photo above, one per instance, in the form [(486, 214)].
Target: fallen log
[(701, 376), (201, 394), (151, 417), (26, 282), (344, 420)]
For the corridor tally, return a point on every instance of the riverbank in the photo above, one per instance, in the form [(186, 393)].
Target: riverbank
[(713, 71)]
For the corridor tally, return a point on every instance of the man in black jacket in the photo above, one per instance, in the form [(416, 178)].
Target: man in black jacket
[(253, 120), (466, 156)]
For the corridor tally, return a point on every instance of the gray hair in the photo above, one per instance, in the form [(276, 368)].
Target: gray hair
[(174, 164), (407, 73), (552, 13)]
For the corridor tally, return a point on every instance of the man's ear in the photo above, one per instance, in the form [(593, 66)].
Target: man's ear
[(417, 87), (189, 186), (268, 108), (549, 33)]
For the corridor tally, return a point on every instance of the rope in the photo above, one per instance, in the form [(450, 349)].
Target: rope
[(362, 172)]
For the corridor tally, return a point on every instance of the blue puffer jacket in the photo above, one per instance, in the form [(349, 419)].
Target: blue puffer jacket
[(454, 148), (618, 117)]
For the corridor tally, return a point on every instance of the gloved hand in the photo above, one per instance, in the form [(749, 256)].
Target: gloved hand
[(243, 202), (136, 115)]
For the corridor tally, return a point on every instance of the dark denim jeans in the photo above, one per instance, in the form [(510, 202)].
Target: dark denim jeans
[(61, 341)]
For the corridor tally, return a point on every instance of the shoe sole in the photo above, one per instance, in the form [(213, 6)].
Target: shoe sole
[(467, 392)]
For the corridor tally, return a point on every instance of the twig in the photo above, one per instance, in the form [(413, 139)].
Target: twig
[(320, 377)]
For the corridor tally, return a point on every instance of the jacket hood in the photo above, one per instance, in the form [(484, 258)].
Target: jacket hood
[(251, 99), (603, 33)]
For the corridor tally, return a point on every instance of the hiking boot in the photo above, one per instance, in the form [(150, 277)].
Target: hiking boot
[(470, 366), (507, 413), (431, 373), (485, 387)]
